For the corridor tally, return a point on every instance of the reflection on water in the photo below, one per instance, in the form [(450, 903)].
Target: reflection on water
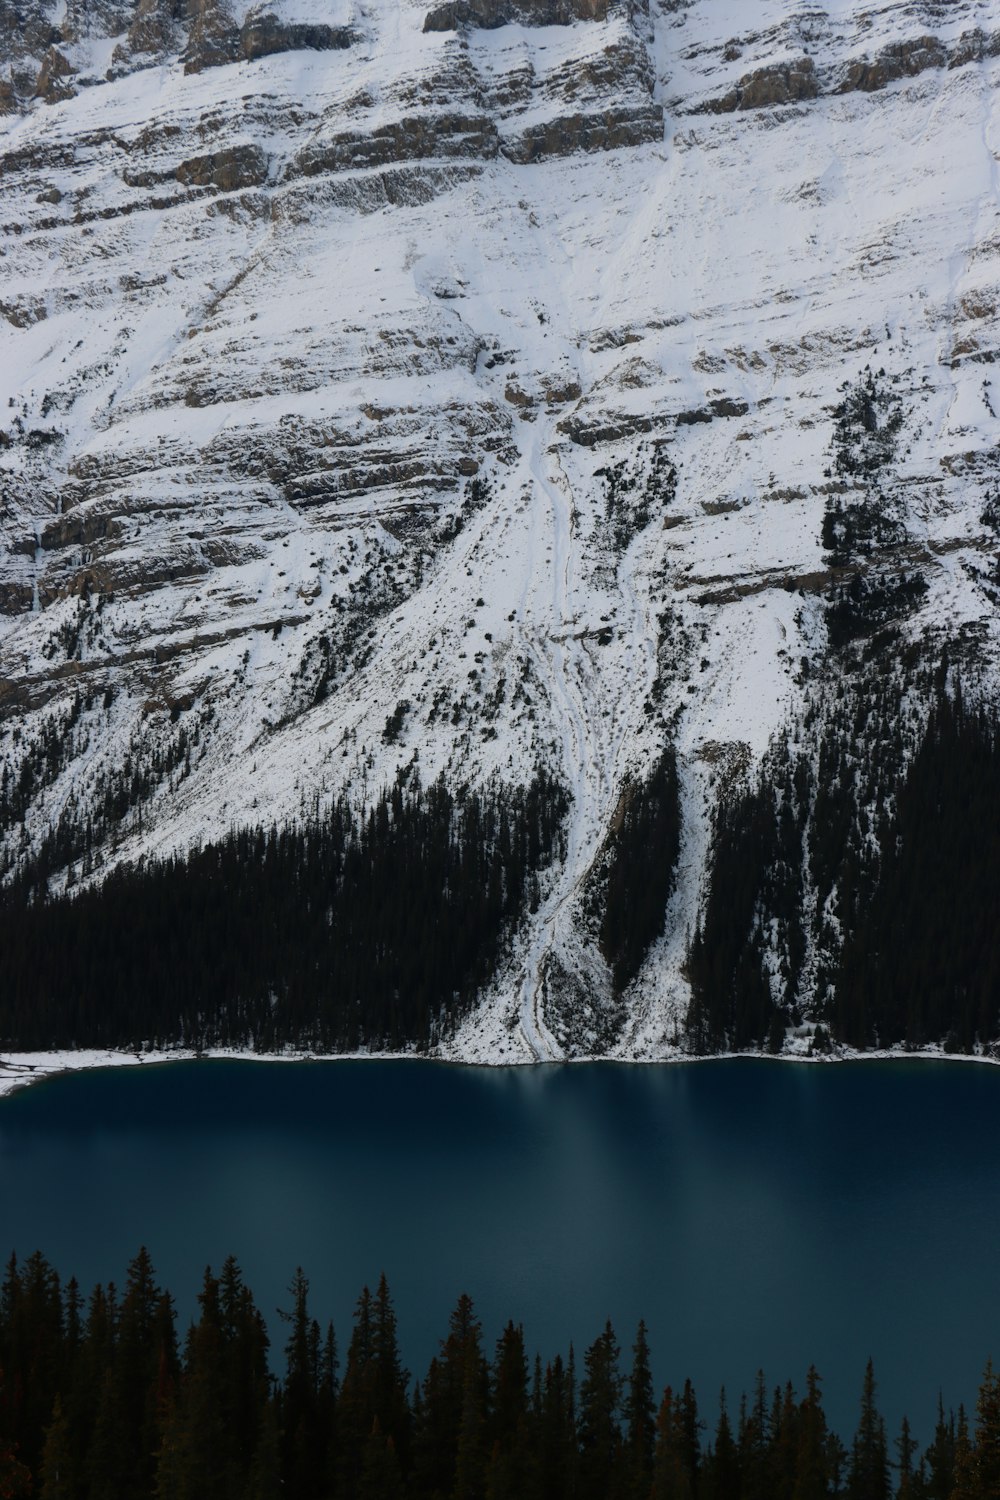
[(756, 1214)]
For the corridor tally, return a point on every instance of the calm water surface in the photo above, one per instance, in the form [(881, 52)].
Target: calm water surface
[(754, 1213)]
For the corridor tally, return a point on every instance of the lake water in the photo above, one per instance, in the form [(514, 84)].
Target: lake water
[(754, 1213)]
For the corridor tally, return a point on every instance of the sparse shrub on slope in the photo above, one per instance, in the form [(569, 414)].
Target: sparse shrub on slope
[(864, 522)]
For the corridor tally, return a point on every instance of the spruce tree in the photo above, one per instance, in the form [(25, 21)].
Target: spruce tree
[(600, 1435), (557, 1452), (966, 1484), (754, 1444), (303, 1440), (264, 1481), (381, 1474), (390, 1380), (719, 1478), (868, 1477), (58, 1475), (15, 1477), (988, 1433), (940, 1457), (671, 1471), (639, 1413), (811, 1475), (691, 1427), (511, 1431), (906, 1447)]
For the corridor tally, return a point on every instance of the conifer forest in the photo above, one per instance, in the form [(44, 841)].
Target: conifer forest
[(100, 1399), (333, 934), (848, 894)]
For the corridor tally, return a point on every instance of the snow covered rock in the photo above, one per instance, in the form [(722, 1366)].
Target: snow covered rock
[(484, 359)]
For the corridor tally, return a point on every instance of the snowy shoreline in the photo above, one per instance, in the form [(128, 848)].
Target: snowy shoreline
[(18, 1070)]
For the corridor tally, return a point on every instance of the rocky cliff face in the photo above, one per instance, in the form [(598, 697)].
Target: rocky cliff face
[(466, 388)]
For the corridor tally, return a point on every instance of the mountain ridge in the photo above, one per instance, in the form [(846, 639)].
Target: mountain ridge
[(441, 389)]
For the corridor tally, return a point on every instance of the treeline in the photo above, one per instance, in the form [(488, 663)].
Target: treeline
[(921, 962), (100, 1401), (885, 860), (354, 930), (639, 869)]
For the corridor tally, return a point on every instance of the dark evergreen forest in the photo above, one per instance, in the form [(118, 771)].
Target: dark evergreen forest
[(349, 931), (899, 857), (99, 1400), (640, 868), (921, 962)]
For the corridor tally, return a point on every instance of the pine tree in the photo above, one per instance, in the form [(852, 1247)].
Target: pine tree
[(988, 1433), (510, 1430), (671, 1472), (691, 1428), (15, 1477), (32, 1319), (639, 1412), (811, 1476), (246, 1382), (264, 1482), (557, 1453), (906, 1447), (195, 1451), (453, 1408), (868, 1478), (58, 1476), (754, 1444), (303, 1446), (965, 1486), (470, 1457), (720, 1472), (381, 1474), (599, 1431), (433, 1433), (786, 1443), (940, 1457), (145, 1344), (374, 1388), (390, 1379)]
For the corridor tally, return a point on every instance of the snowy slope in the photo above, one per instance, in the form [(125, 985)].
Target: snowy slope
[(322, 328)]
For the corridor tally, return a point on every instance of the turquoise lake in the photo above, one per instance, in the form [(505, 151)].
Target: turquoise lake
[(756, 1214)]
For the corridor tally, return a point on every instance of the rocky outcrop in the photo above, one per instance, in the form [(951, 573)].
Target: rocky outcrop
[(213, 37), (488, 14), (215, 40), (785, 83), (26, 30), (802, 80), (53, 78), (262, 36), (974, 46), (604, 130), (155, 29), (412, 139), (901, 60), (229, 170)]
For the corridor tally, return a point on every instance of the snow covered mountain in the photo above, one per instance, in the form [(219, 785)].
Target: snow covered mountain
[(474, 387)]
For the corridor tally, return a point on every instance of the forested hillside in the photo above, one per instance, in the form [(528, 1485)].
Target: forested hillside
[(856, 889), (347, 932)]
